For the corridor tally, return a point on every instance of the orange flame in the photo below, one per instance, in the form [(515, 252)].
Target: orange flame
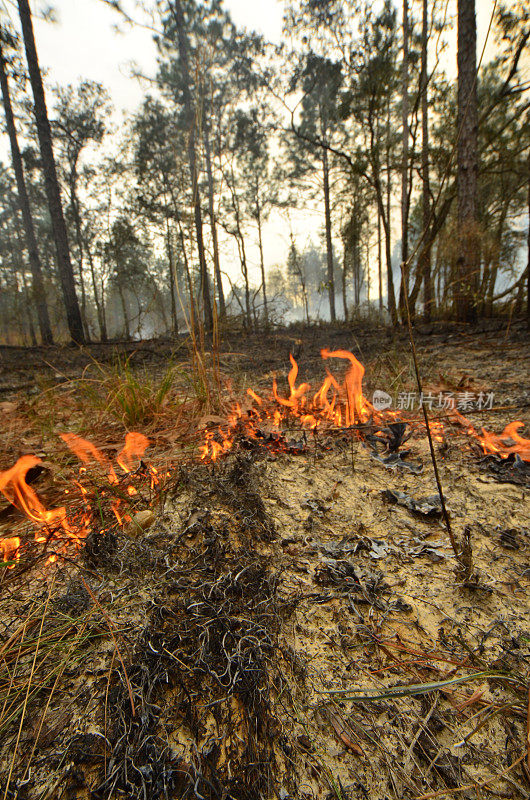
[(87, 452), (15, 488), (13, 485), (357, 409), (296, 394), (9, 548), (135, 446), (507, 442)]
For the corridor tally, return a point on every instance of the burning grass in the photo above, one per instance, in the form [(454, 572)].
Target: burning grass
[(337, 405)]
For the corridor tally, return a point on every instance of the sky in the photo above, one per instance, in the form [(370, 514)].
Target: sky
[(83, 43)]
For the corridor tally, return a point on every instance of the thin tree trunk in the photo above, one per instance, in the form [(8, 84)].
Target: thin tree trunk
[(64, 264), (28, 305), (404, 284), (387, 226), (424, 260), (28, 310), (379, 264), (39, 296), (174, 321), (343, 278), (74, 205), (467, 165), (528, 265), (262, 262), (100, 309), (192, 158), (213, 225), (124, 312), (329, 242)]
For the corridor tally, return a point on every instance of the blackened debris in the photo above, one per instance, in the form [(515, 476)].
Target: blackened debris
[(511, 469), (424, 506)]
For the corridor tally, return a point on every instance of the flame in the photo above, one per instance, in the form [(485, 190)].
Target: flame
[(9, 548), (15, 488), (135, 446), (336, 403), (255, 397), (506, 443), (296, 393), (87, 452), (358, 409)]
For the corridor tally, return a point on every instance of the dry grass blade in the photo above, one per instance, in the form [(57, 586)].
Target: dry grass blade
[(420, 688), (43, 618), (112, 630)]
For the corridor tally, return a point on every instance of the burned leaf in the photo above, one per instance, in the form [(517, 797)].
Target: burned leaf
[(430, 550), (429, 506), (395, 435), (511, 469), (344, 733), (396, 460), (339, 573), (509, 539), (379, 549), (344, 576), (315, 506)]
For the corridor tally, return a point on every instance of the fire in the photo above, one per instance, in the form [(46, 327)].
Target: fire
[(135, 446), (507, 443), (335, 404), (13, 485), (296, 397), (9, 548), (87, 452), (358, 409), (50, 522)]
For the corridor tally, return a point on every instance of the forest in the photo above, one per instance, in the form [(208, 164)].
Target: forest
[(415, 190), (264, 400)]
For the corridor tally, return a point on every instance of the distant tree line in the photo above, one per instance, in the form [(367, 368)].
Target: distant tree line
[(422, 183)]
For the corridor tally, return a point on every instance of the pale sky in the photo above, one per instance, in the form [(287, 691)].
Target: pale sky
[(83, 44)]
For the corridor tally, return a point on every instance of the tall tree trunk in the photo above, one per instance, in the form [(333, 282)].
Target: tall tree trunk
[(74, 205), (379, 264), (343, 278), (528, 265), (467, 165), (53, 195), (171, 266), (213, 225), (329, 242), (28, 304), (424, 260), (262, 262), (192, 159), (387, 223), (124, 312), (404, 284), (39, 296), (100, 308)]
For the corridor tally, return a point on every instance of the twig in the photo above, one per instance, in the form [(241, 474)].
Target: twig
[(426, 418)]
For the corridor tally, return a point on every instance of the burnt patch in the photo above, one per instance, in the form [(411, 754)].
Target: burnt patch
[(193, 716)]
